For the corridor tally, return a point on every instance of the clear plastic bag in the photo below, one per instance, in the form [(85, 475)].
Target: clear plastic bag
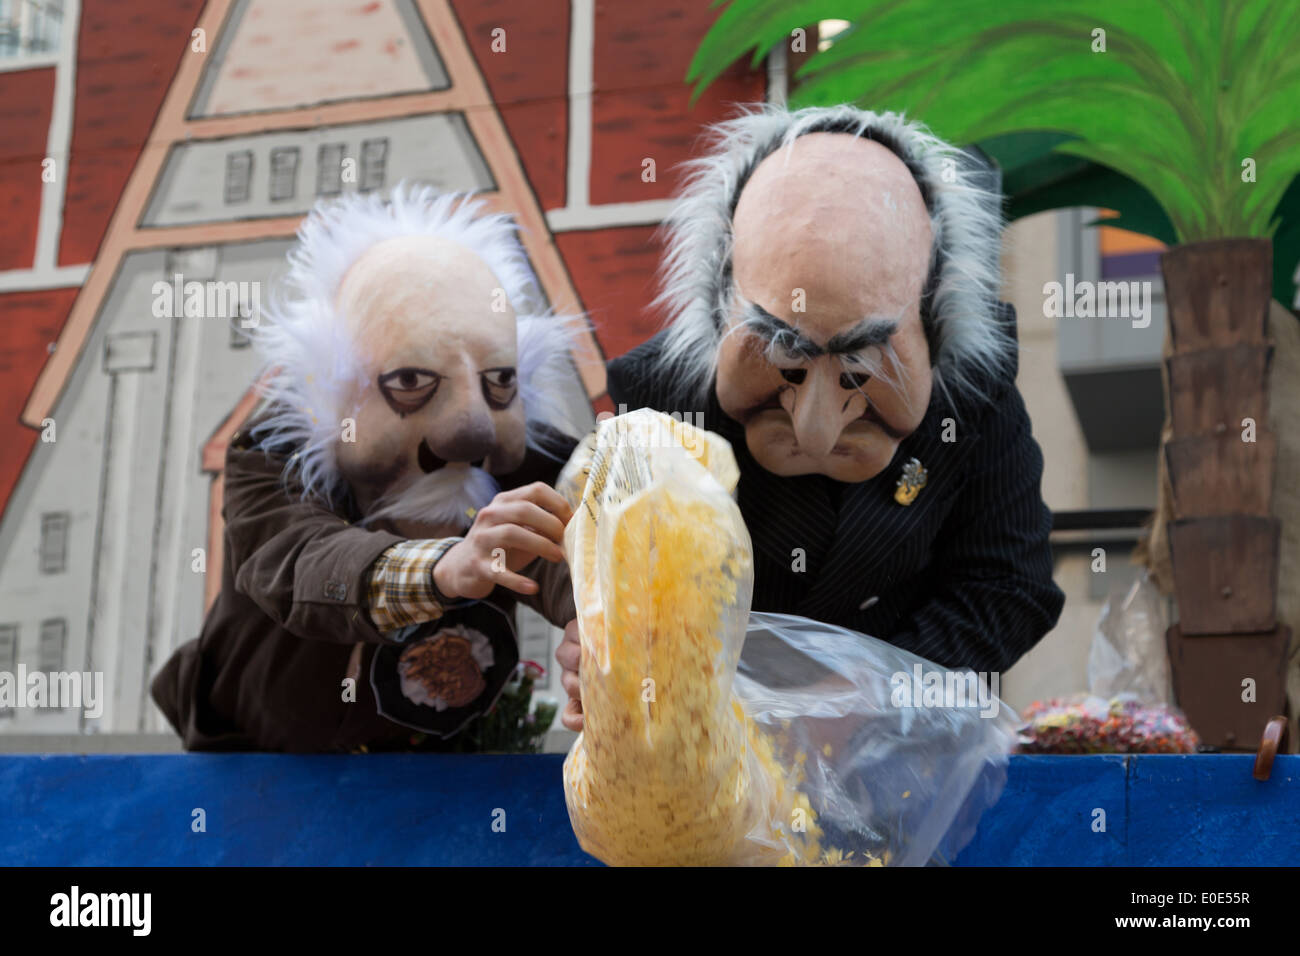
[(1127, 709), (1128, 654), (816, 745), (891, 776)]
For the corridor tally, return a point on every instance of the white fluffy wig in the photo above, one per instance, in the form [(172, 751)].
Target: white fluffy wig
[(308, 348), (959, 305)]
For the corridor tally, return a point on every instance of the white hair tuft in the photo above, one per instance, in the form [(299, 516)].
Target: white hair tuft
[(309, 350)]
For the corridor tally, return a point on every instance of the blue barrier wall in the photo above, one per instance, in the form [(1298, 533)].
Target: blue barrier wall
[(416, 809)]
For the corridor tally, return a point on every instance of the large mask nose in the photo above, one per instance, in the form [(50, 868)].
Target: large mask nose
[(469, 440), (470, 443), (820, 408), (463, 434)]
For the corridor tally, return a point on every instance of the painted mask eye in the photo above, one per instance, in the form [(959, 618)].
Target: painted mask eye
[(408, 389), (794, 376), (500, 385), (854, 380)]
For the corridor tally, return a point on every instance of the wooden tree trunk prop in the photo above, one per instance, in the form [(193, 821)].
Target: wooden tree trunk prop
[(1228, 651)]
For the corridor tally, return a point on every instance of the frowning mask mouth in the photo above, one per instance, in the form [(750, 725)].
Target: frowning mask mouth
[(430, 462)]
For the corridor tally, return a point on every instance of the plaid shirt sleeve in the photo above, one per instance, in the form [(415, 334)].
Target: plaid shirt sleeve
[(401, 584)]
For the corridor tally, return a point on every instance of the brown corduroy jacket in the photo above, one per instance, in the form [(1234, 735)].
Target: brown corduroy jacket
[(267, 670)]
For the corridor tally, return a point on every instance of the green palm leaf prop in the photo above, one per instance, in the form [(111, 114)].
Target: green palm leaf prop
[(1156, 124)]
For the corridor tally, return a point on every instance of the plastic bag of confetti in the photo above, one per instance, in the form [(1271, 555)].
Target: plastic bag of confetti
[(1127, 709), (1088, 724), (897, 756), (815, 745)]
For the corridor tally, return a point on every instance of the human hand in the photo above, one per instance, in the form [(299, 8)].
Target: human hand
[(568, 655), (514, 528)]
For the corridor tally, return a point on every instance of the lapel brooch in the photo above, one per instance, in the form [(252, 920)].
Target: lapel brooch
[(910, 483)]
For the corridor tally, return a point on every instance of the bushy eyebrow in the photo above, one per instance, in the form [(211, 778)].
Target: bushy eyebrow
[(873, 330)]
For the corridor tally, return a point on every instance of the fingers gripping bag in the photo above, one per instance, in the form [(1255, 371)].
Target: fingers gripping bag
[(713, 736)]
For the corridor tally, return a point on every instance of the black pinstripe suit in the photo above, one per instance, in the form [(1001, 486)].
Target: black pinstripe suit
[(962, 576)]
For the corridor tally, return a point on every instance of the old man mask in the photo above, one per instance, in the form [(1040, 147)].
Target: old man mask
[(412, 362), (827, 269)]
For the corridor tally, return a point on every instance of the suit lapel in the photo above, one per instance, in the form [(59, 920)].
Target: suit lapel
[(782, 514), (871, 526), (789, 519), (847, 547)]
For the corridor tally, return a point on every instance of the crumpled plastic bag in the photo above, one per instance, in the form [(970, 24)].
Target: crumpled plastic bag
[(815, 745), (1128, 654), (1127, 709)]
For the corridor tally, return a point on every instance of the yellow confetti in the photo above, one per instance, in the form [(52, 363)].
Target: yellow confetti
[(684, 777)]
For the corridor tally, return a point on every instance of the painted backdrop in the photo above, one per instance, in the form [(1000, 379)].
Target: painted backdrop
[(147, 145)]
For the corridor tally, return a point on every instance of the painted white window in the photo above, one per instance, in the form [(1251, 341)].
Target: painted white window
[(54, 638), (29, 26), (49, 654), (239, 176), (54, 542), (238, 337), (8, 656), (374, 160), (329, 169), (284, 173)]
